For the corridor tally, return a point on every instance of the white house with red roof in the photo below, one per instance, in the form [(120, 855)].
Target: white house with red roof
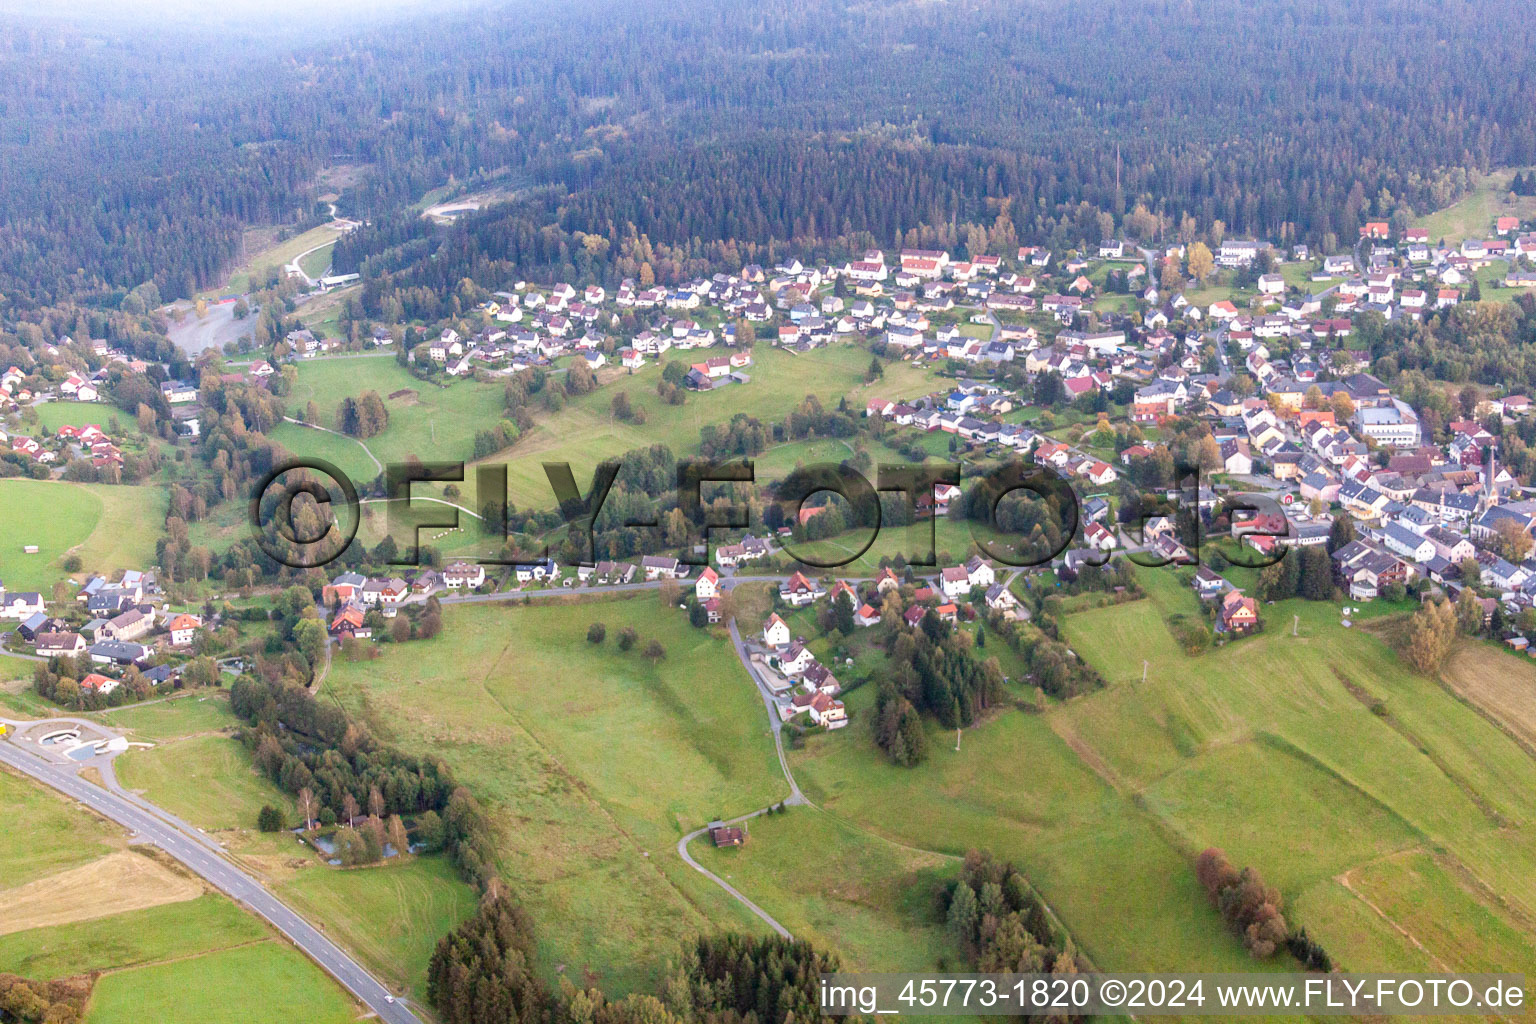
[(183, 630), (776, 632)]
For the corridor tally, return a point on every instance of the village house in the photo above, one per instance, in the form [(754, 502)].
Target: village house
[(1237, 614), (776, 632), (183, 630), (536, 572), (57, 645), (796, 660), (661, 567), (463, 576), (388, 592), (798, 591), (21, 605)]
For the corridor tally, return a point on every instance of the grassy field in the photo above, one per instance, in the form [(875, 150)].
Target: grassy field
[(44, 834), (1456, 926), (1474, 215), (433, 423), (954, 540), (54, 415), (1019, 789), (592, 762), (389, 916), (75, 900), (1215, 289), (778, 461), (166, 932), (584, 432), (1258, 747), (32, 512), (1347, 758), (206, 778), (1299, 275), (348, 453), (194, 712), (1500, 684), (117, 883), (318, 262), (108, 527), (262, 983), (872, 901)]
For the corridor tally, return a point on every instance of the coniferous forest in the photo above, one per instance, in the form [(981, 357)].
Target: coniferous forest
[(707, 137)]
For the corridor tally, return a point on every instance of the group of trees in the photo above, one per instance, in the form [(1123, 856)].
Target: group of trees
[(629, 639), (938, 670), (363, 416), (1305, 572), (1001, 926), (897, 727), (1251, 909), (1434, 628), (331, 764), (37, 1002)]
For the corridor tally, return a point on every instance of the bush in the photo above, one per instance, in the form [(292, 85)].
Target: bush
[(270, 819), (627, 638), (596, 633), (72, 563)]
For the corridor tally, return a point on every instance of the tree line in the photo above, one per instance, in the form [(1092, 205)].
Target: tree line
[(484, 970)]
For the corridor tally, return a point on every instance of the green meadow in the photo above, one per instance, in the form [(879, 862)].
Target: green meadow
[(197, 960), (261, 983), (1311, 756), (389, 916), (206, 778), (167, 932), (593, 763), (44, 834), (109, 527)]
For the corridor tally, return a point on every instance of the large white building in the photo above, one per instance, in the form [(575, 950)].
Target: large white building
[(1393, 424)]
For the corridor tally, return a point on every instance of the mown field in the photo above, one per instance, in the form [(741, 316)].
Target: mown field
[(593, 762), (54, 415), (178, 956), (1499, 684), (167, 932), (261, 982), (109, 527)]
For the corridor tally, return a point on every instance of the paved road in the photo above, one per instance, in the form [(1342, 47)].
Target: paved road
[(682, 851), (197, 856), (775, 720)]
